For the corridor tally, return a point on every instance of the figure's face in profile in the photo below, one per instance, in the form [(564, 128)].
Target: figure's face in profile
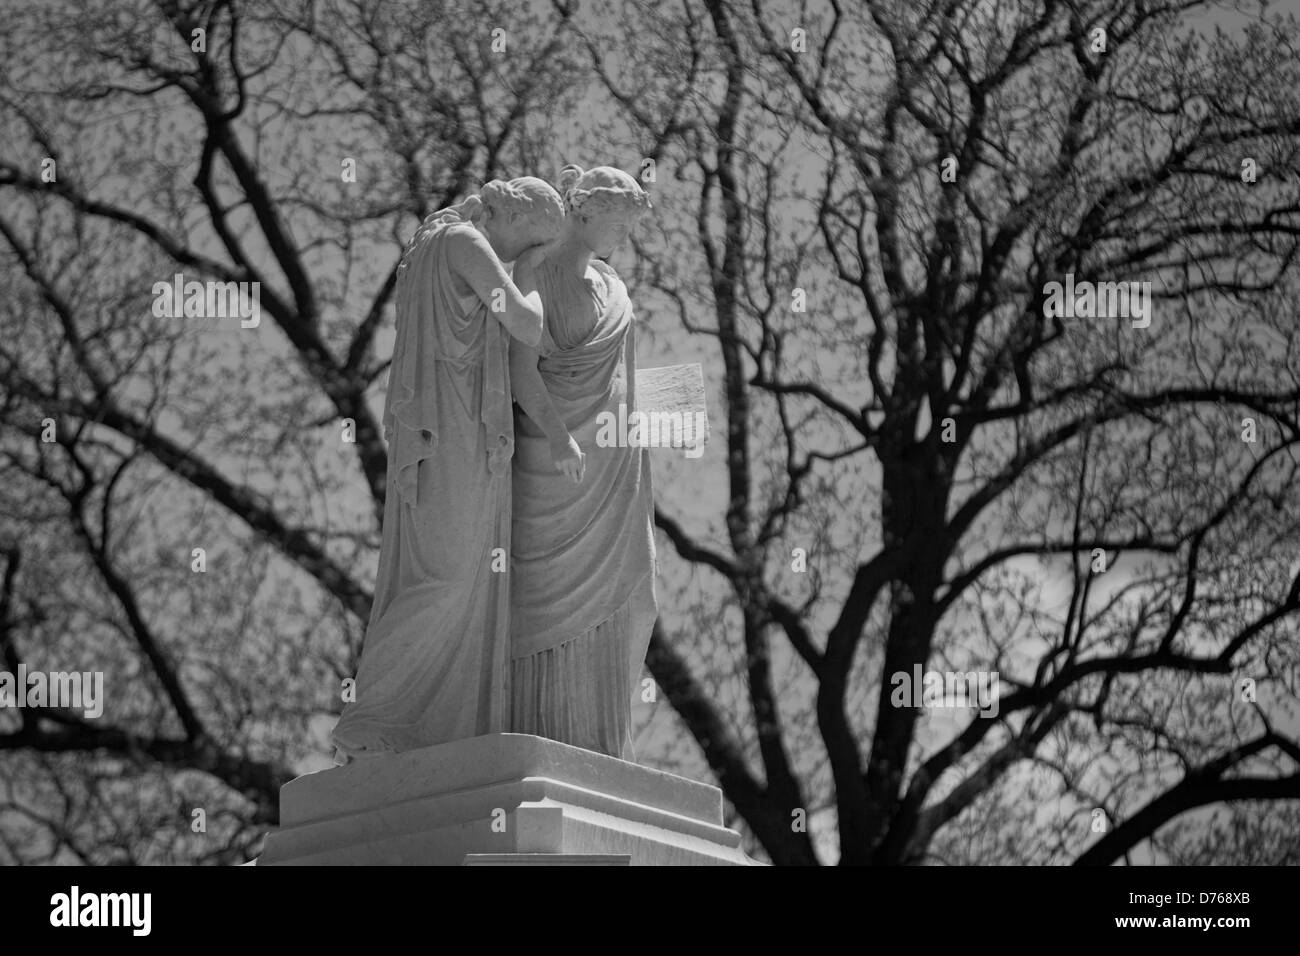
[(603, 232), (516, 233), (540, 229)]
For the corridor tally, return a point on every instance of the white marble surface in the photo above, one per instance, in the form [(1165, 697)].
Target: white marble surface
[(493, 798)]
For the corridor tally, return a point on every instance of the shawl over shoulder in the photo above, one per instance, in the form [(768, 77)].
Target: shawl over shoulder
[(583, 555), (437, 326)]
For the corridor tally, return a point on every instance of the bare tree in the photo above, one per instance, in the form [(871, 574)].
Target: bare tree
[(859, 212), (216, 139), (919, 173)]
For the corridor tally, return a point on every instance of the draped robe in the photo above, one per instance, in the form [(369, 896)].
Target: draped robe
[(583, 555), (434, 664)]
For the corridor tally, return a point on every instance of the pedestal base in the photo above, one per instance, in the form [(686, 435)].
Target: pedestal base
[(500, 799)]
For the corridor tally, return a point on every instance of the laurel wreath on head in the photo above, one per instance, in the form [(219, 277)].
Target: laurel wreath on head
[(606, 198), (505, 196)]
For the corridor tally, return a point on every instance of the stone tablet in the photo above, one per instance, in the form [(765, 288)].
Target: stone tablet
[(670, 400)]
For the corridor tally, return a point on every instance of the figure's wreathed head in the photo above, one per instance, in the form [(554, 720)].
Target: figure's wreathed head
[(526, 196), (602, 189)]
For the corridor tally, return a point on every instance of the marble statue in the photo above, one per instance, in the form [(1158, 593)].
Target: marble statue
[(434, 664), (515, 595), (583, 553)]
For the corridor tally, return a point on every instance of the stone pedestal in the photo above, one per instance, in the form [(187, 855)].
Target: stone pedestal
[(500, 800)]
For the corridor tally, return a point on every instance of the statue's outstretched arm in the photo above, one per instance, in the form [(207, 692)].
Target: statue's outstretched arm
[(471, 257)]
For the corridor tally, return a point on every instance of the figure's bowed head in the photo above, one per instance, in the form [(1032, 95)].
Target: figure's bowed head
[(520, 216), (516, 221), (603, 204)]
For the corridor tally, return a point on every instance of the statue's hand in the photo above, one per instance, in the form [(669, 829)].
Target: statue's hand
[(533, 256), (568, 458)]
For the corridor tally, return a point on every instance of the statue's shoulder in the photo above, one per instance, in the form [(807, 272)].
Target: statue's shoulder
[(609, 274), (604, 268), (440, 225), (613, 281), (464, 244)]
